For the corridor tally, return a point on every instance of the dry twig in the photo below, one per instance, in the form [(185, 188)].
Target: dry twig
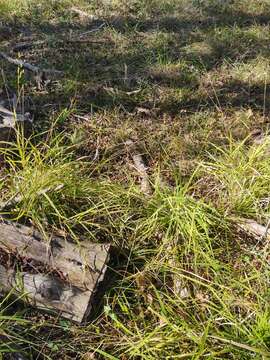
[(140, 167), (25, 65)]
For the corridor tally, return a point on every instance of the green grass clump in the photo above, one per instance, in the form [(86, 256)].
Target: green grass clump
[(174, 217), (53, 188), (242, 175)]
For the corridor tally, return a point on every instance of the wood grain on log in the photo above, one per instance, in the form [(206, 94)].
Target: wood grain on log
[(57, 275)]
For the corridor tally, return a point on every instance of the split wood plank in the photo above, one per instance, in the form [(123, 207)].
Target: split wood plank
[(57, 275)]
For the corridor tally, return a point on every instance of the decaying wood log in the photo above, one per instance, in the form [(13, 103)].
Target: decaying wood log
[(10, 121), (57, 275)]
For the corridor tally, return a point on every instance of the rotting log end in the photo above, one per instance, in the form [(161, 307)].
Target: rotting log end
[(64, 281)]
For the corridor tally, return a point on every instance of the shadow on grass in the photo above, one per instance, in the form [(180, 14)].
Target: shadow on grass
[(139, 54)]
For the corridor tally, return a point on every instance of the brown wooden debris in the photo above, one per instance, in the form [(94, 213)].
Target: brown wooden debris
[(258, 231), (140, 167), (58, 275)]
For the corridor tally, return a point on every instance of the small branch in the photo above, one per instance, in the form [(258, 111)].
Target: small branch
[(9, 117), (252, 227), (10, 121), (142, 170), (25, 65), (140, 167), (85, 41), (27, 45), (259, 232), (96, 156), (92, 31), (21, 63)]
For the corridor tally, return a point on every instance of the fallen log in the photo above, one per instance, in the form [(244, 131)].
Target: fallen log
[(57, 275)]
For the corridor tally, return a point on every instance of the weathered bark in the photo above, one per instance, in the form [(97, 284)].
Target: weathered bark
[(57, 275)]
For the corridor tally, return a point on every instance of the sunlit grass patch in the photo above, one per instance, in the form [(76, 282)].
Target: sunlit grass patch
[(49, 186), (177, 217), (214, 318), (35, 10), (242, 176), (255, 72)]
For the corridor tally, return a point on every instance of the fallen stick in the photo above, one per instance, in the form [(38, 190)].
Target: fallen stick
[(142, 170), (259, 231), (84, 41), (92, 31), (56, 275), (140, 167), (27, 45), (25, 65), (80, 40), (41, 75)]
